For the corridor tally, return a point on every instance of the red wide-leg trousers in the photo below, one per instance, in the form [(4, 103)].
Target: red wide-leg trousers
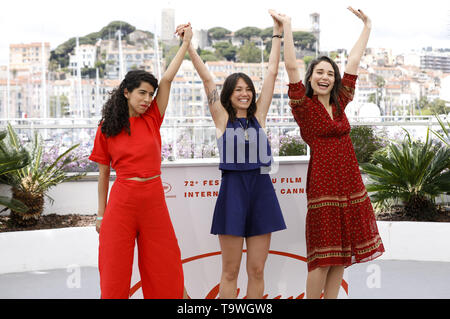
[(137, 211)]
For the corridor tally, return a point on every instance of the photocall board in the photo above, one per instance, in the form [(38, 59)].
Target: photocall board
[(191, 192)]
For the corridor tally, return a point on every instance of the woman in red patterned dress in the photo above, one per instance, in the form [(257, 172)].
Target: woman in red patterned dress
[(340, 224)]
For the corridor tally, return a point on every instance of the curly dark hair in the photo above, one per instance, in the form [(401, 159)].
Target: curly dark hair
[(115, 114), (227, 91), (337, 81)]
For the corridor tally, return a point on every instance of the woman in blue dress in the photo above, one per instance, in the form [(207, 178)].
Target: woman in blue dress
[(247, 207)]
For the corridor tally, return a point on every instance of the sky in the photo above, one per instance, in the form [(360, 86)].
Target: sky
[(399, 25)]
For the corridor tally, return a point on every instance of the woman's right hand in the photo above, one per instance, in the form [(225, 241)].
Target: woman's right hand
[(98, 223), (280, 18), (360, 14), (184, 31)]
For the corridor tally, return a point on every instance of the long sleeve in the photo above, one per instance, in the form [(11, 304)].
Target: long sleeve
[(347, 91), (297, 99)]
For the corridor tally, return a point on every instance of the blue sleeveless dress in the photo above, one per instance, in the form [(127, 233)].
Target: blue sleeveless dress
[(247, 204)]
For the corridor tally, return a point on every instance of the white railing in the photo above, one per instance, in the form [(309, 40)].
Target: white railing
[(67, 122), (194, 133), (197, 134)]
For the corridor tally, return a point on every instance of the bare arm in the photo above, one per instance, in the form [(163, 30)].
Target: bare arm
[(290, 60), (218, 112), (103, 187), (162, 97), (265, 99), (358, 49)]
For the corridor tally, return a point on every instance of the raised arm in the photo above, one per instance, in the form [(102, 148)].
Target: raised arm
[(358, 49), (162, 97), (290, 61), (265, 98), (218, 112)]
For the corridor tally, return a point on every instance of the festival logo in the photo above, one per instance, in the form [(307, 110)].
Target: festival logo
[(167, 187), (214, 291)]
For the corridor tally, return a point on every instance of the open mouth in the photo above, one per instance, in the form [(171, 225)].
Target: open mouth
[(244, 101), (323, 85)]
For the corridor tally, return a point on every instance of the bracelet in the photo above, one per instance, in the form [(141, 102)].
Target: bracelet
[(99, 218), (277, 36)]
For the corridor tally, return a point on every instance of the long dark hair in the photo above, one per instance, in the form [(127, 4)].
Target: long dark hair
[(227, 91), (115, 114), (337, 81)]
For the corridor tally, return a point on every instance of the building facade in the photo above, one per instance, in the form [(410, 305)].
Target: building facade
[(433, 60)]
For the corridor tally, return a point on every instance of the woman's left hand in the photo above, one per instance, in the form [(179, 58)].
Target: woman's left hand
[(277, 22), (184, 31), (360, 14)]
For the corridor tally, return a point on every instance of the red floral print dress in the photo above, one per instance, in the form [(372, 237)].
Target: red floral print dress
[(340, 223)]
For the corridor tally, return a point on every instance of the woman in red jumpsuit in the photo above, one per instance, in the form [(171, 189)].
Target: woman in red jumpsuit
[(129, 141), (340, 224)]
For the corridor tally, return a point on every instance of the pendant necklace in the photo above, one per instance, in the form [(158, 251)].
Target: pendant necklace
[(244, 128)]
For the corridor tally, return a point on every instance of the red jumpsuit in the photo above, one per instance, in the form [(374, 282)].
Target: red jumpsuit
[(137, 211), (340, 224)]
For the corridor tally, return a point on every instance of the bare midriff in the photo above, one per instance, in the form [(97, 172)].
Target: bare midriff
[(140, 179)]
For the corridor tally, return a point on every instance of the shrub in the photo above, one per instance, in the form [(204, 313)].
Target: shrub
[(365, 142), (412, 172), (292, 146)]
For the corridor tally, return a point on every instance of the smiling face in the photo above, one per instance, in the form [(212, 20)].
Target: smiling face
[(322, 78), (139, 99), (241, 97)]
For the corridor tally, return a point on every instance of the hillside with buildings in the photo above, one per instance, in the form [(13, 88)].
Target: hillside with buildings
[(74, 79)]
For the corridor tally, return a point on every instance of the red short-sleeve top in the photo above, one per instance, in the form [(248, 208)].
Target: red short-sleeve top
[(134, 155)]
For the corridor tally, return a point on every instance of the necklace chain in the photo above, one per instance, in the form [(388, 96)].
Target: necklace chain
[(244, 128)]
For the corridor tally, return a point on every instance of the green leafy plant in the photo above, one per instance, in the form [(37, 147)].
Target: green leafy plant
[(412, 172), (292, 146), (365, 142), (10, 161), (445, 136), (31, 183)]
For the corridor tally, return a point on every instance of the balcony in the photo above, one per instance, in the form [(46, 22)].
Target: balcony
[(62, 263)]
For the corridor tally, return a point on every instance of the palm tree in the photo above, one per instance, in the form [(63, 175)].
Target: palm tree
[(445, 136), (31, 183), (10, 161), (380, 83), (413, 172)]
